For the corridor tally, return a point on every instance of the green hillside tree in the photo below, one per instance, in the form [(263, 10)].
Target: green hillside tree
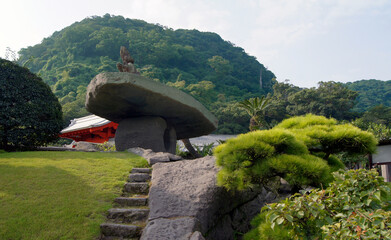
[(220, 65), (371, 93), (30, 114), (329, 99), (255, 107)]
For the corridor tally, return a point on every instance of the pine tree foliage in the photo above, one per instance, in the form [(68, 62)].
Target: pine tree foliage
[(326, 136), (300, 150)]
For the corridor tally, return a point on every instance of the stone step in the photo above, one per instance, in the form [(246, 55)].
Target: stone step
[(120, 230), (116, 238), (125, 215), (136, 188), (141, 170), (131, 201), (139, 177)]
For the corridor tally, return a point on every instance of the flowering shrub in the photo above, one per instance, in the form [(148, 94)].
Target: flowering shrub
[(356, 206)]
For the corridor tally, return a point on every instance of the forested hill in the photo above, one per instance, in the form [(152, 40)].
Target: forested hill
[(201, 63), (371, 93)]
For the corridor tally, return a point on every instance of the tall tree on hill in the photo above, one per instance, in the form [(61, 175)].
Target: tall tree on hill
[(255, 107)]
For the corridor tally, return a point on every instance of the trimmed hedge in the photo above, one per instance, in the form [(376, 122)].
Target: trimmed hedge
[(30, 114)]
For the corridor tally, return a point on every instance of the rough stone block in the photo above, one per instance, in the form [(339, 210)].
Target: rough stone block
[(158, 158), (131, 201), (154, 157), (141, 170), (197, 236), (120, 230), (87, 146), (170, 229), (139, 177), (188, 188), (123, 215), (146, 132), (136, 188)]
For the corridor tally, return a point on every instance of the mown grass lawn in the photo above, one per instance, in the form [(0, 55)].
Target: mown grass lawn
[(59, 195)]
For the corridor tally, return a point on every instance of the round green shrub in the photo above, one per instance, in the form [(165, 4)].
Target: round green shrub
[(30, 114)]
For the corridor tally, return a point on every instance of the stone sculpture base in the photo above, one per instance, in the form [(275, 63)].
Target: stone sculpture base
[(145, 132)]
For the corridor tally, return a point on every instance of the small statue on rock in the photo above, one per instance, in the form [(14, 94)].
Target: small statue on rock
[(127, 62)]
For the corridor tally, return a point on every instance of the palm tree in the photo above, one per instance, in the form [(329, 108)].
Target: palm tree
[(255, 106)]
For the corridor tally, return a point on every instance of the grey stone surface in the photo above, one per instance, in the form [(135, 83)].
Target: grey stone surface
[(130, 202), (127, 215), (141, 170), (139, 151), (180, 228), (112, 229), (139, 177), (146, 132), (120, 95), (158, 158), (154, 157), (86, 146), (249, 210), (188, 188), (197, 236), (223, 229), (136, 188)]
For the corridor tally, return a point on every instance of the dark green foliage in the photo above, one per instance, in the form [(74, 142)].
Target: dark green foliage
[(376, 120), (195, 60), (329, 99), (30, 114), (341, 101), (260, 156), (324, 135), (205, 150), (263, 230), (378, 114), (355, 206), (371, 93), (301, 150), (202, 151), (232, 119)]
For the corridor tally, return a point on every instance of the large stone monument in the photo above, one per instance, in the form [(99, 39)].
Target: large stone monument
[(150, 114)]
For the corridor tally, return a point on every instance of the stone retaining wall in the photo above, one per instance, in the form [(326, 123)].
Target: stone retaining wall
[(186, 203)]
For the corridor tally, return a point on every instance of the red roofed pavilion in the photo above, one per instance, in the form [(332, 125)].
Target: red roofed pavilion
[(91, 128)]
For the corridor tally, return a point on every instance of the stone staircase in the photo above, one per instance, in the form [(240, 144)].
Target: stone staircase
[(128, 218)]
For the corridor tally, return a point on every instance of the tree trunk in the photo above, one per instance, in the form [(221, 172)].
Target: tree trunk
[(189, 147), (4, 140)]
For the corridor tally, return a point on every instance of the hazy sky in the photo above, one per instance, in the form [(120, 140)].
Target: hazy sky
[(305, 41)]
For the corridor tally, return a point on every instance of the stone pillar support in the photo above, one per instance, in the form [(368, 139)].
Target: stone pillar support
[(146, 132)]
